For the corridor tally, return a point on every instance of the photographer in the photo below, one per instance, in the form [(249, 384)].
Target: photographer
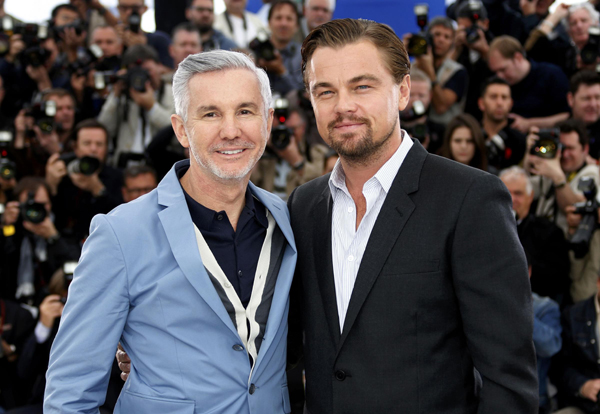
[(16, 324), (584, 100), (35, 351), (280, 55), (580, 379), (202, 14), (505, 145), (94, 14), (130, 30), (414, 117), (557, 178), (80, 190), (289, 163), (138, 106), (472, 47), (32, 245), (448, 78)]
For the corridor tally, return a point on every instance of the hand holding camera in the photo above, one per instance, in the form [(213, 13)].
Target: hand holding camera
[(45, 229), (50, 309), (544, 145), (144, 99), (590, 389)]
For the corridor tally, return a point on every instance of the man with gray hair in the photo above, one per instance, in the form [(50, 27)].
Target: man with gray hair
[(543, 241), (193, 278)]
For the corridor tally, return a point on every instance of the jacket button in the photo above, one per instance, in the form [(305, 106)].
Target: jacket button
[(593, 341), (252, 389), (238, 347), (589, 323), (340, 375)]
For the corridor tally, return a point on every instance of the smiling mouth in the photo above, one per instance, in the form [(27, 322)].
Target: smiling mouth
[(231, 152)]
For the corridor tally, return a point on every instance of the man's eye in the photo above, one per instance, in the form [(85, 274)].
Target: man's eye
[(363, 87), (246, 112)]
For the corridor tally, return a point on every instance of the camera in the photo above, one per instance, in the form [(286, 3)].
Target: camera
[(32, 34), (418, 42), (417, 110), (495, 148), (281, 135), (43, 113), (33, 211), (136, 78), (590, 52), (547, 144), (262, 47), (134, 22), (418, 131), (6, 138), (77, 24), (580, 242), (8, 169), (474, 8), (84, 165), (102, 79), (86, 60), (68, 271)]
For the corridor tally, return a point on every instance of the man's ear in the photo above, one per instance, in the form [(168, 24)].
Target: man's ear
[(180, 132), (404, 93)]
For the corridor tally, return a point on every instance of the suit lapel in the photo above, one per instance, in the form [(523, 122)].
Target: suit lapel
[(284, 278), (322, 215), (178, 226), (395, 213)]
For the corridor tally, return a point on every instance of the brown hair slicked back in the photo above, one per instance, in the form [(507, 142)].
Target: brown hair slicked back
[(339, 33)]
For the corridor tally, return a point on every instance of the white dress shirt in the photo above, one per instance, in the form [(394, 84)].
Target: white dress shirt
[(348, 243)]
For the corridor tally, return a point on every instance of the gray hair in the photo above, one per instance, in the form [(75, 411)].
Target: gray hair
[(594, 15), (515, 172), (419, 76), (215, 60)]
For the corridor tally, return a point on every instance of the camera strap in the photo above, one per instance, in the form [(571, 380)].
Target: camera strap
[(230, 25)]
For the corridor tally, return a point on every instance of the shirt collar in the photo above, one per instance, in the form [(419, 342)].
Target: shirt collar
[(385, 175), (203, 216)]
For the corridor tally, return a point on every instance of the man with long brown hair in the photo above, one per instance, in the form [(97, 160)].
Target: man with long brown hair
[(410, 275)]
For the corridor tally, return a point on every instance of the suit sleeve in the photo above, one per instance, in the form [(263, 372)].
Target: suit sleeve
[(491, 282), (91, 325)]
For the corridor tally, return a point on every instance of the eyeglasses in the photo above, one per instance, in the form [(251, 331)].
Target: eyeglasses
[(200, 9)]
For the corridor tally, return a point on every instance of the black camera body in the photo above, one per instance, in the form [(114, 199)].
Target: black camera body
[(591, 51), (84, 165), (418, 131), (419, 42), (86, 60), (59, 31), (475, 9), (8, 169), (262, 47), (43, 113), (136, 78), (134, 22), (33, 211), (580, 242), (281, 135), (32, 34), (547, 144)]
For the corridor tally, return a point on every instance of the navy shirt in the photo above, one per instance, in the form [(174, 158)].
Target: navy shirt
[(237, 251), (543, 92)]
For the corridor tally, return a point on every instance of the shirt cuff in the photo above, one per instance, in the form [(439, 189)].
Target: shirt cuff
[(151, 110), (41, 333)]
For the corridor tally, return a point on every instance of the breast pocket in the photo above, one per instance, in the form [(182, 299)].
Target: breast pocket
[(132, 403)]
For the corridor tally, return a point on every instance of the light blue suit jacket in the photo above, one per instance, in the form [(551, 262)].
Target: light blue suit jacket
[(141, 281)]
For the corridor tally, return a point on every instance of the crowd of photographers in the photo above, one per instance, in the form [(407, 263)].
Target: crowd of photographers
[(500, 85)]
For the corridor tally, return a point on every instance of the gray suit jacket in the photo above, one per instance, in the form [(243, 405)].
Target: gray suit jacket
[(442, 288)]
